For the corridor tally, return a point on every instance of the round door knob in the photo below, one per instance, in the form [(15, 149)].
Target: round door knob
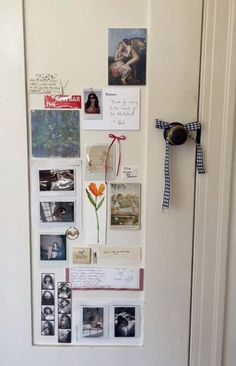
[(176, 134)]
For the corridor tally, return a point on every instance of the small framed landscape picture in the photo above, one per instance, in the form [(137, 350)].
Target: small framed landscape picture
[(125, 205)]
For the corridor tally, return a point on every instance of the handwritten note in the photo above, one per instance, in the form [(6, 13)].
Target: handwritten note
[(119, 252), (44, 83), (121, 110), (106, 278), (130, 172)]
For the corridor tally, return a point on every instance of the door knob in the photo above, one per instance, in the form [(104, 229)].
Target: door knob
[(176, 133)]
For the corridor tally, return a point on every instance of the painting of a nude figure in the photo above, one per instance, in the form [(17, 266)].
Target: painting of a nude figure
[(127, 56)]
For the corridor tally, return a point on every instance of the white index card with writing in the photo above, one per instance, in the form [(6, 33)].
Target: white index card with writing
[(121, 110)]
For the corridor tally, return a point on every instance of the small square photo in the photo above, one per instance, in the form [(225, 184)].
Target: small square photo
[(47, 328), (53, 247), (124, 321), (48, 281), (93, 322), (48, 313)]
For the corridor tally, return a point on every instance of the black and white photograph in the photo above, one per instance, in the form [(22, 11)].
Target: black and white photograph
[(64, 336), (64, 306), (93, 322), (64, 290), (51, 212), (56, 180), (124, 321), (64, 321), (48, 297), (48, 281), (47, 328), (53, 247), (48, 313)]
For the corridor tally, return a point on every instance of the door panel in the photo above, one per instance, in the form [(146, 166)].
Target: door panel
[(71, 39)]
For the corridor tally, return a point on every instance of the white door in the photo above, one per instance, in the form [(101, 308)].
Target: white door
[(71, 38)]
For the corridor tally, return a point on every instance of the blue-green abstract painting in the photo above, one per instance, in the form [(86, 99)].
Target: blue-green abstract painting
[(55, 133)]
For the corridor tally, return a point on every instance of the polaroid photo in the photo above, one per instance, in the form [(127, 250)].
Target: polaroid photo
[(64, 321), (127, 56), (48, 312), (56, 180), (53, 247), (93, 322), (52, 212), (81, 255), (47, 328), (64, 335), (48, 281), (92, 104), (125, 210), (64, 306), (98, 163), (48, 297), (55, 133), (126, 323), (64, 290)]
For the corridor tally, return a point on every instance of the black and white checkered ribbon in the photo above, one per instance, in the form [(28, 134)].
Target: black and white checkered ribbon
[(192, 126)]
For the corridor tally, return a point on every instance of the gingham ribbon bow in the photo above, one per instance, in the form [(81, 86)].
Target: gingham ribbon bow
[(192, 126)]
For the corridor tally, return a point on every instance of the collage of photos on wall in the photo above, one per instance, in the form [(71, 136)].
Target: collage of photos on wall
[(84, 193)]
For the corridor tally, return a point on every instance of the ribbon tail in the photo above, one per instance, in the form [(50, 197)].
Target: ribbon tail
[(199, 159), (166, 196)]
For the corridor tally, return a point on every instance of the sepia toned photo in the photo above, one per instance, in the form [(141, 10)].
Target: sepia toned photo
[(97, 161), (93, 322), (55, 133), (53, 247), (125, 205), (56, 180), (127, 56), (56, 212), (124, 321)]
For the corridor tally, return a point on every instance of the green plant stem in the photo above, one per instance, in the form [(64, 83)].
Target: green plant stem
[(97, 221)]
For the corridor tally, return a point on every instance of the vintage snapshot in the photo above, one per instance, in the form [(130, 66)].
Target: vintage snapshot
[(53, 247), (55, 133), (125, 205), (47, 313), (81, 255), (64, 321), (93, 322), (127, 56), (52, 212), (124, 321), (48, 281), (64, 290), (98, 163), (64, 335), (47, 328), (92, 104), (48, 297), (64, 306), (59, 180)]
